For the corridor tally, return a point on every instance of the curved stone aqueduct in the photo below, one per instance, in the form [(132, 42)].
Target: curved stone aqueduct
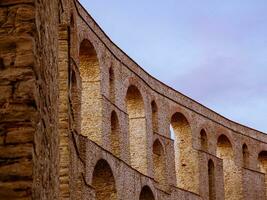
[(81, 120)]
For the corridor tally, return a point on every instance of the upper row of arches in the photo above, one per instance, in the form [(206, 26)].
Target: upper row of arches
[(86, 103)]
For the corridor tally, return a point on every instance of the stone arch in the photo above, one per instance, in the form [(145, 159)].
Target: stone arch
[(137, 129), (146, 194), (231, 172), (72, 20), (262, 158), (75, 100), (159, 162), (103, 182), (203, 140), (111, 84), (91, 95), (262, 163), (212, 182), (245, 154), (88, 60), (154, 109), (186, 166), (224, 147), (115, 134)]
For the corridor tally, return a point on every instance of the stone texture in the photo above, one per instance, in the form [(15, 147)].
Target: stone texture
[(80, 120)]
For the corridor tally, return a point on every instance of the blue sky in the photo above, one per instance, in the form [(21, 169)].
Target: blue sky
[(211, 50)]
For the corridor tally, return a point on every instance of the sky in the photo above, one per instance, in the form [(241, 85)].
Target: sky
[(213, 51)]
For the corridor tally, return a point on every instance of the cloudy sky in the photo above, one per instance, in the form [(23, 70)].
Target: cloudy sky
[(213, 51)]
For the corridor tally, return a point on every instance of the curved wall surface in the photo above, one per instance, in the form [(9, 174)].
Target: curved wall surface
[(104, 129), (209, 156)]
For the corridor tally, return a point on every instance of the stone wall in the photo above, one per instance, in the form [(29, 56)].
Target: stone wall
[(186, 157), (29, 96), (46, 138), (79, 119), (18, 108)]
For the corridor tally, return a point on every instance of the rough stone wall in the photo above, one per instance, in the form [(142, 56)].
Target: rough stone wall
[(81, 120), (253, 185), (46, 138), (127, 74), (29, 97), (18, 113)]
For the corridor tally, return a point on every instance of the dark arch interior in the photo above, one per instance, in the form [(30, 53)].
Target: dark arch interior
[(146, 194), (158, 148), (75, 97), (263, 161), (263, 155), (115, 134), (245, 153), (224, 148), (104, 182), (211, 176), (154, 109), (159, 162), (204, 140), (111, 84)]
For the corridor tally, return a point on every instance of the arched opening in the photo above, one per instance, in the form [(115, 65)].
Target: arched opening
[(91, 97), (146, 194), (159, 162), (204, 140), (137, 129), (262, 162), (262, 158), (186, 166), (115, 134), (224, 148), (71, 20), (245, 153), (75, 97), (111, 85), (103, 182), (211, 176), (232, 173), (154, 109)]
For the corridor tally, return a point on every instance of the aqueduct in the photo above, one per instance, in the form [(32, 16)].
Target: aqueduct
[(81, 120)]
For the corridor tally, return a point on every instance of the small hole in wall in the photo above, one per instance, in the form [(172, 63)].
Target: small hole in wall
[(71, 20), (2, 66), (32, 104), (111, 84)]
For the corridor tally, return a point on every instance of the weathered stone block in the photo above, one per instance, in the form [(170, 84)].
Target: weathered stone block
[(5, 93), (24, 90), (15, 74), (25, 13), (3, 15), (15, 151), (22, 169), (25, 58), (15, 190), (11, 16), (24, 28), (13, 2), (17, 112), (16, 51), (20, 135)]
